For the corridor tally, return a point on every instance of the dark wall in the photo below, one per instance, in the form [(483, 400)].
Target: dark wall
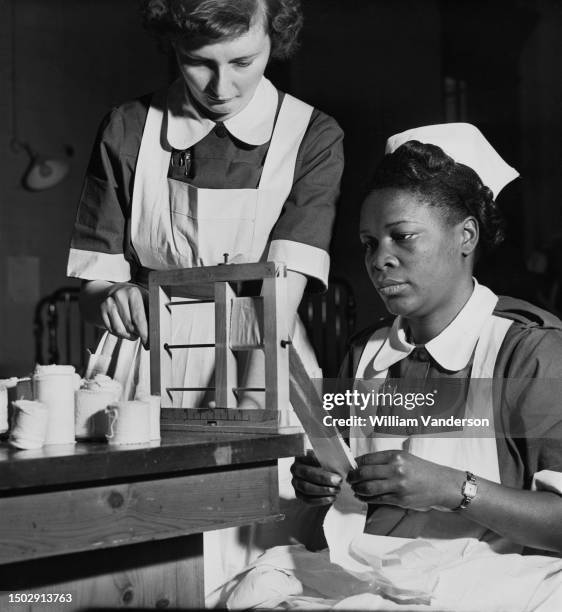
[(376, 67), (483, 47), (540, 95), (74, 59)]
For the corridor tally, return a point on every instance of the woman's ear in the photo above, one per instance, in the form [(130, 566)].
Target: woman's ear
[(470, 236)]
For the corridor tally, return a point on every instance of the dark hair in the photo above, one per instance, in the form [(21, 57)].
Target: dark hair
[(455, 189), (202, 21)]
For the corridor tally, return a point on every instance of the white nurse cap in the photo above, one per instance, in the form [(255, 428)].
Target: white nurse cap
[(465, 144)]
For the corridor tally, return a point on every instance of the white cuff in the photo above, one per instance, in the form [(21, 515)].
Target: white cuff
[(90, 265), (547, 480), (300, 257)]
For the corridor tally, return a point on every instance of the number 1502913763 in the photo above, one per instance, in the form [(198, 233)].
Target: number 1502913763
[(40, 597)]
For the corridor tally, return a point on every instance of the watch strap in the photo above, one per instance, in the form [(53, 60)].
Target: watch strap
[(468, 491)]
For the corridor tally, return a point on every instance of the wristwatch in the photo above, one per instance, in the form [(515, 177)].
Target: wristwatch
[(468, 491)]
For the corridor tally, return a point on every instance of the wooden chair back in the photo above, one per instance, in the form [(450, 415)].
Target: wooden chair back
[(61, 335), (329, 319)]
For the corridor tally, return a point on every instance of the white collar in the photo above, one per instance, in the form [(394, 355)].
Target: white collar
[(252, 125), (453, 347)]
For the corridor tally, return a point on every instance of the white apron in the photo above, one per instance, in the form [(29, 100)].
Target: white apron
[(346, 518), (176, 225)]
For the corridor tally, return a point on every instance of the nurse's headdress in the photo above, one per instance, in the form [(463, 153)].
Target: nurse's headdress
[(465, 144)]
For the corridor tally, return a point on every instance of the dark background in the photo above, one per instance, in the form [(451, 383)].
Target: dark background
[(377, 66)]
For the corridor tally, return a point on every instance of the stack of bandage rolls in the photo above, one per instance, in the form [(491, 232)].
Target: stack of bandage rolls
[(57, 407)]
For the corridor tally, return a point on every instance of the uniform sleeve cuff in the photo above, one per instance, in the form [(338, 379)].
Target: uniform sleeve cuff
[(299, 257), (90, 265), (547, 480)]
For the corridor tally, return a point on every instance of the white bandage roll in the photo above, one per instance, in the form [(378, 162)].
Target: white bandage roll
[(89, 413), (90, 403), (4, 386), (54, 386), (29, 424), (246, 323), (128, 422), (100, 383), (3, 410), (154, 401)]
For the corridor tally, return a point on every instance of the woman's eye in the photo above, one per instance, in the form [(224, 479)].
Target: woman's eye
[(369, 246), (403, 237), (242, 63)]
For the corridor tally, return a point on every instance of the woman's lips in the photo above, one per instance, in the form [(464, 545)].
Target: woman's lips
[(219, 101), (391, 289)]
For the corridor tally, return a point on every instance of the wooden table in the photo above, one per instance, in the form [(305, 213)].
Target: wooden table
[(122, 526)]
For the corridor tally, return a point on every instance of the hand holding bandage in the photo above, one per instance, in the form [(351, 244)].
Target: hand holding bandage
[(312, 483), (398, 478), (124, 311)]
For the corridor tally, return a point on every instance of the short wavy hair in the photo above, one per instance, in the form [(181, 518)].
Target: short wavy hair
[(455, 189), (205, 21)]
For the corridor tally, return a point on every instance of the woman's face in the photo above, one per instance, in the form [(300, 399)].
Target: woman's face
[(222, 76), (415, 259)]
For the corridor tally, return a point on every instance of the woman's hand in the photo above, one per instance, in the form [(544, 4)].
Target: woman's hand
[(399, 478), (312, 483), (119, 307), (123, 311), (529, 518)]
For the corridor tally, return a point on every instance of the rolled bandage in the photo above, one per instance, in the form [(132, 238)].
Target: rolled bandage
[(54, 386), (128, 422), (91, 401), (154, 401), (4, 386), (29, 424), (3, 410), (246, 323)]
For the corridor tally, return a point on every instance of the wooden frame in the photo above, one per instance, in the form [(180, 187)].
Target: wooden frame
[(164, 287)]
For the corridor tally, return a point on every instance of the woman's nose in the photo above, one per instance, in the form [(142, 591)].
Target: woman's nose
[(382, 258), (219, 84)]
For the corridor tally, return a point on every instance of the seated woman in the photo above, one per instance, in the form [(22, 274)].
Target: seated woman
[(438, 517)]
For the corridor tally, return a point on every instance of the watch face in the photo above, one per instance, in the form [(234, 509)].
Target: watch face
[(469, 489)]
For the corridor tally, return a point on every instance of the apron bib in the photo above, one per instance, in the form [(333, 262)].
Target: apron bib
[(178, 225)]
